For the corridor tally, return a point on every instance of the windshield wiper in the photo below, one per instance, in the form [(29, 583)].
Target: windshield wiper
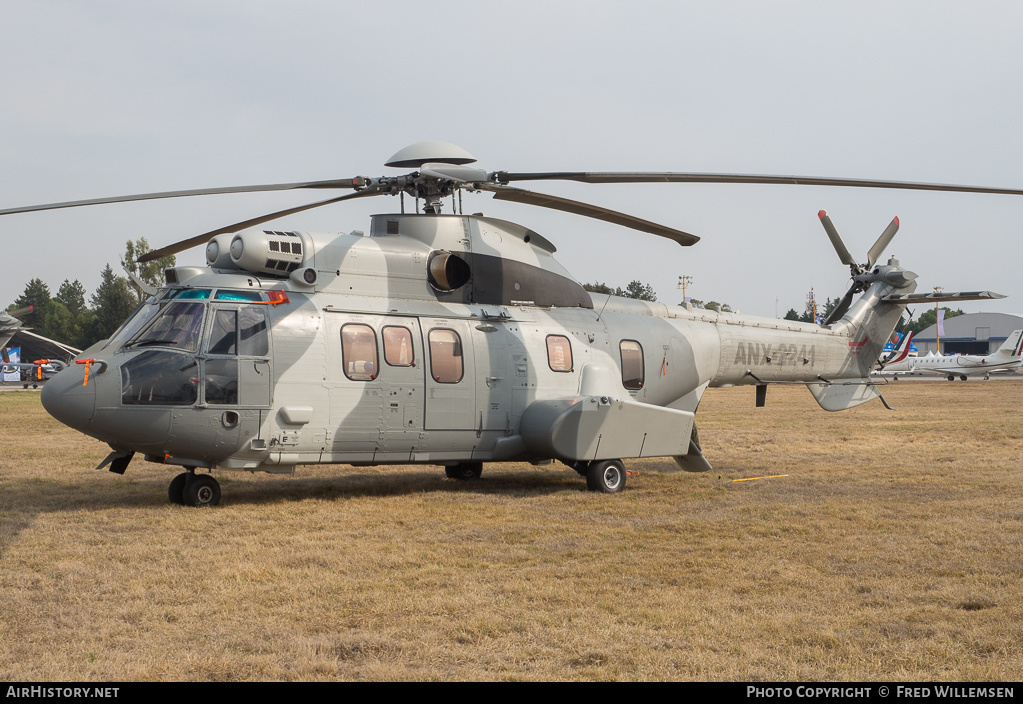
[(152, 342)]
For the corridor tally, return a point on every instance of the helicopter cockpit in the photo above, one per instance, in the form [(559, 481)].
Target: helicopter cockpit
[(193, 327)]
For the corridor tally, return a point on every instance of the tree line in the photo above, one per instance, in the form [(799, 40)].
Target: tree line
[(68, 318), (645, 292)]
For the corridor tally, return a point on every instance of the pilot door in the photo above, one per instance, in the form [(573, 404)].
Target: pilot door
[(237, 364), (234, 379)]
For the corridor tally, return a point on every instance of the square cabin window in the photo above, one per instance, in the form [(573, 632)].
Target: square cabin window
[(632, 364), (559, 353), (359, 352)]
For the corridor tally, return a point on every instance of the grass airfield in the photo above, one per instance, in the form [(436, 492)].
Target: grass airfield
[(889, 549)]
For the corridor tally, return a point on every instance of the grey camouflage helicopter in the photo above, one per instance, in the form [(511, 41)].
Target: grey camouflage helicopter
[(446, 339)]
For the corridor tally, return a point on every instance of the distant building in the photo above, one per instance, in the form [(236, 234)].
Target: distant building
[(971, 333)]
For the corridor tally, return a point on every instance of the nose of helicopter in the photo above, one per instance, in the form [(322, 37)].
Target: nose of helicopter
[(68, 399)]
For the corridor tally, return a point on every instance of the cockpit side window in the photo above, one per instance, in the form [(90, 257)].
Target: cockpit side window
[(239, 331), (223, 334), (158, 378), (221, 381), (252, 327)]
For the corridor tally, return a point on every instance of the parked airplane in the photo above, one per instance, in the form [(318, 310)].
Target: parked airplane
[(899, 352), (1005, 359)]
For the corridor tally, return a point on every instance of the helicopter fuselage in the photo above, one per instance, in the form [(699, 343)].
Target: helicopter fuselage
[(437, 339)]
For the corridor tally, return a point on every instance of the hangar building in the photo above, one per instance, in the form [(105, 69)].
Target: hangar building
[(970, 333)]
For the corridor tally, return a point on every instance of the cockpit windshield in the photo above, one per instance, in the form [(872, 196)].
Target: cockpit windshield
[(178, 325)]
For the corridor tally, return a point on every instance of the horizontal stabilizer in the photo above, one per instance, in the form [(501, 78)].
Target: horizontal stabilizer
[(586, 428), (941, 297), (839, 396)]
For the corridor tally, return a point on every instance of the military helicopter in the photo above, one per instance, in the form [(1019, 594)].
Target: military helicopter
[(445, 339), (32, 373)]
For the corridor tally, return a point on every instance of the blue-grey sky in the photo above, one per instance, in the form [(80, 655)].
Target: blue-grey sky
[(104, 97)]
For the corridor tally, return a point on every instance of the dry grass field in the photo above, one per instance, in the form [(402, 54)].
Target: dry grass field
[(890, 551)]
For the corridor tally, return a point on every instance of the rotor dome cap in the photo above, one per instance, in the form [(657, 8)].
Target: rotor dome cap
[(415, 155)]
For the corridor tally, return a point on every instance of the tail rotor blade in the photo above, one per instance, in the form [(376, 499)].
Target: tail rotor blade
[(882, 242), (836, 239)]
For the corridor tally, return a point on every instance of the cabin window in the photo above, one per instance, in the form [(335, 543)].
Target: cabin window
[(398, 346), (632, 364), (445, 356), (359, 352), (559, 353), (157, 378)]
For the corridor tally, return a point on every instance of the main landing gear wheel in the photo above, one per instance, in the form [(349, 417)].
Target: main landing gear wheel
[(201, 490), (464, 470), (607, 477), (176, 491)]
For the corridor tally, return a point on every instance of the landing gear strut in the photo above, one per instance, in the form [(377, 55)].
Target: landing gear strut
[(191, 489)]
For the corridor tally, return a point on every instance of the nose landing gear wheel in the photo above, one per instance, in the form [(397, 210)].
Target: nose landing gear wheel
[(607, 477)]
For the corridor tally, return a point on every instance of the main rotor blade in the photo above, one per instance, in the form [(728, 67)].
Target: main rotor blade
[(204, 238), (882, 242), (836, 239), (356, 182), (675, 177), (543, 200), (18, 312)]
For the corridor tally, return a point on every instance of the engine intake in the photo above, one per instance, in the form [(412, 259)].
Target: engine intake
[(267, 252)]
